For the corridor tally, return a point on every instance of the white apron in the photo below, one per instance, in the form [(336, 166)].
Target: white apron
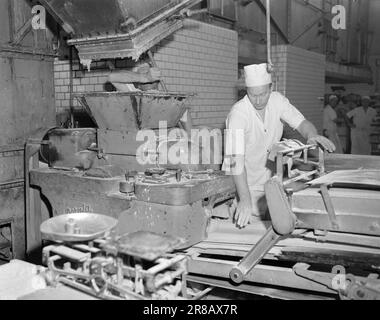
[(257, 140), (360, 141)]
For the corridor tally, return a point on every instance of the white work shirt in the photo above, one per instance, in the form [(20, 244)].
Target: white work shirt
[(360, 135), (331, 128), (255, 138), (362, 119)]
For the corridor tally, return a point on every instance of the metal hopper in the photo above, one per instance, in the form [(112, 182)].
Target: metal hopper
[(117, 28), (133, 111), (121, 115)]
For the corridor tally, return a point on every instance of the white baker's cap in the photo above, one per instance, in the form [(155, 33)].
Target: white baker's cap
[(257, 75)]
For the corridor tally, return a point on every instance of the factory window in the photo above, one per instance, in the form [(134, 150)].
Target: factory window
[(224, 9)]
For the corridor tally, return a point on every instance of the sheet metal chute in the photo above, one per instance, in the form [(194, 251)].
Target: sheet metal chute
[(134, 111), (118, 28)]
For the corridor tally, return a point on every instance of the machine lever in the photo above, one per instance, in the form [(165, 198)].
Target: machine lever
[(283, 219), (257, 253), (188, 13), (329, 206)]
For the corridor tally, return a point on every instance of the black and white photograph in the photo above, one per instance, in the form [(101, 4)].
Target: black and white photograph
[(199, 157)]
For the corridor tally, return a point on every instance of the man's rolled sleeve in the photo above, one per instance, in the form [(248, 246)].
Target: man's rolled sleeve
[(235, 134), (291, 115), (234, 141)]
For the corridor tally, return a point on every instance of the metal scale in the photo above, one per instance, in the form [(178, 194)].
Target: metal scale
[(85, 254)]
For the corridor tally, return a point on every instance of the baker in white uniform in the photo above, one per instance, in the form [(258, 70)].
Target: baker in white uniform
[(254, 125), (360, 133)]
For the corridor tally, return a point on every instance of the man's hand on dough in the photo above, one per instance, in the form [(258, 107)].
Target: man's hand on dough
[(243, 214), (322, 141)]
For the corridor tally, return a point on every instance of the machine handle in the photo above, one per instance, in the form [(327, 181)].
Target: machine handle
[(257, 253), (283, 219)]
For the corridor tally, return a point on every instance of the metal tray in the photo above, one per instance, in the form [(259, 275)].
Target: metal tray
[(91, 225)]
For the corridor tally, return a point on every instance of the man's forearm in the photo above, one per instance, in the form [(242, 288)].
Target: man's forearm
[(307, 130), (242, 188), (310, 133)]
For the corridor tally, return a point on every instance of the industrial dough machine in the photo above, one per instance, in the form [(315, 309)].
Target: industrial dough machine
[(323, 240), (317, 246), (96, 170), (100, 169)]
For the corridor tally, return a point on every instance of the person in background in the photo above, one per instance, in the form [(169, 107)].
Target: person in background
[(330, 120), (362, 118), (348, 104)]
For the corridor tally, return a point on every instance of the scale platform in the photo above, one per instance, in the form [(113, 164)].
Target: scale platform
[(77, 227)]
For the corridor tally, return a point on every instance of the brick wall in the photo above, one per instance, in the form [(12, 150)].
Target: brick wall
[(199, 58), (301, 77)]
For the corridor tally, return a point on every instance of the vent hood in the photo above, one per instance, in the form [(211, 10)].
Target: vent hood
[(106, 29)]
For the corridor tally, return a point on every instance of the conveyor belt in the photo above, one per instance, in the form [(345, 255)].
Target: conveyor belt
[(213, 258), (225, 237)]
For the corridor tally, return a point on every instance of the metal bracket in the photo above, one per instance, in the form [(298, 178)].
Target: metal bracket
[(32, 211), (329, 206), (290, 155), (302, 270), (348, 287)]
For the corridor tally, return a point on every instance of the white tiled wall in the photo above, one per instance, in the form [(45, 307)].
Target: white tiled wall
[(301, 77), (199, 58)]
